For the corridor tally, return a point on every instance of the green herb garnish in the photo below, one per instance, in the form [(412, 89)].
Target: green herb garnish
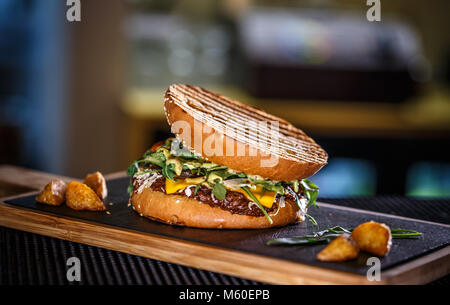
[(221, 173), (270, 185), (311, 190), (168, 171), (407, 233), (130, 189), (197, 187), (219, 168), (329, 234), (219, 190), (133, 169), (317, 237), (158, 158), (313, 221), (257, 203)]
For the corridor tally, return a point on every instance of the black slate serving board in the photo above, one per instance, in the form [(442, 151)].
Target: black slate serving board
[(435, 236)]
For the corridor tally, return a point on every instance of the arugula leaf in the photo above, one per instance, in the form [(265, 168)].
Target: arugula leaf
[(314, 238), (309, 185), (329, 234), (257, 203), (274, 188), (311, 191), (197, 187), (177, 149), (221, 173), (218, 168), (312, 197), (267, 185), (313, 221), (407, 233), (219, 191), (235, 176), (130, 188), (168, 171), (201, 171), (157, 158), (147, 153), (133, 169)]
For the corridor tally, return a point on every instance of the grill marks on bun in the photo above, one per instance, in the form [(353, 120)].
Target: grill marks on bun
[(297, 152)]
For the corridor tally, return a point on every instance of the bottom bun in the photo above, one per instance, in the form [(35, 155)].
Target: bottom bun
[(185, 211)]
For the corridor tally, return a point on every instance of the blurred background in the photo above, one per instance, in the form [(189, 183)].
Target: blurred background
[(76, 97)]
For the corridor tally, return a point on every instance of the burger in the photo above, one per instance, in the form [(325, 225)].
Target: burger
[(228, 166)]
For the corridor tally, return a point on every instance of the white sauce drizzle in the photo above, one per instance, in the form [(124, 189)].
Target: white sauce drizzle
[(146, 180), (281, 204), (188, 190), (251, 203)]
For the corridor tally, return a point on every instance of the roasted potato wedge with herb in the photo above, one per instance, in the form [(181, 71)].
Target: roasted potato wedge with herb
[(373, 237), (79, 196), (340, 249), (97, 182), (54, 193)]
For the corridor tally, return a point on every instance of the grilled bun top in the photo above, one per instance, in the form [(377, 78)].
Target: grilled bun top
[(239, 136)]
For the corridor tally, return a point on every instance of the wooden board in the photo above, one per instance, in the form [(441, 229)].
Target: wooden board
[(236, 252)]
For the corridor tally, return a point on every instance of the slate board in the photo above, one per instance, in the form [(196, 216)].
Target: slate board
[(435, 236)]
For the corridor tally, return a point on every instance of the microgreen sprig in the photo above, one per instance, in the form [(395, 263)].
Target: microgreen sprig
[(407, 233), (314, 238), (257, 203)]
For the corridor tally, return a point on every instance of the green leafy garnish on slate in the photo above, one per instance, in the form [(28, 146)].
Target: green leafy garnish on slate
[(407, 233), (329, 234), (317, 237)]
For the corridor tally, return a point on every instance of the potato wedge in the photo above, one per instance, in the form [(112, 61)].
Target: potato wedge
[(97, 182), (340, 249), (54, 193), (79, 196), (373, 237)]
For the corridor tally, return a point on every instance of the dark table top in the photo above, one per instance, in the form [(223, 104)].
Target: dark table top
[(27, 258)]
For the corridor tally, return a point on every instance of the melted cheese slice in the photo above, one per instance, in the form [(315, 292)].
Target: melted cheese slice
[(266, 200), (175, 186)]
